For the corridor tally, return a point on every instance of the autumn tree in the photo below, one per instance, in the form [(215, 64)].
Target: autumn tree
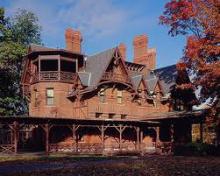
[(199, 20), (16, 33)]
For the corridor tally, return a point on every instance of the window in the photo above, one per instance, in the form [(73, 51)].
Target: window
[(50, 96), (101, 95), (178, 105), (119, 96), (98, 115), (123, 116), (111, 116)]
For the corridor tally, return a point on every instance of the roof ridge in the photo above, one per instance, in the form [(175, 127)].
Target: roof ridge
[(96, 54), (164, 67)]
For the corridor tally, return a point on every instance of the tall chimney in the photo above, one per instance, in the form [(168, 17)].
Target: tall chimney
[(122, 50), (73, 40), (143, 54)]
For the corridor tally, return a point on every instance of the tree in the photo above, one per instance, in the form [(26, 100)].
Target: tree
[(16, 34), (199, 20)]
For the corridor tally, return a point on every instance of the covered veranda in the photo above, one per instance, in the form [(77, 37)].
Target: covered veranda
[(129, 135)]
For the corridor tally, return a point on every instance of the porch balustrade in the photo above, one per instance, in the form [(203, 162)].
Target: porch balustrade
[(54, 76)]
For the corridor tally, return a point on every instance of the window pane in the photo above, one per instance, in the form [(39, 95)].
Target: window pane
[(50, 101), (119, 93), (101, 95), (50, 93), (119, 100), (102, 91), (102, 98), (119, 96)]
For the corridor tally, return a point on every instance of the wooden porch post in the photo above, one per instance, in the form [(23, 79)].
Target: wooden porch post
[(46, 129), (172, 132), (141, 139), (103, 138), (75, 136), (138, 138), (157, 135), (120, 137), (120, 130), (16, 135)]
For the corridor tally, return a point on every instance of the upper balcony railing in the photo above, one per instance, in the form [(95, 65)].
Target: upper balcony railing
[(110, 76), (54, 76)]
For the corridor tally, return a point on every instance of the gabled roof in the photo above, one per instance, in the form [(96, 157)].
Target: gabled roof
[(167, 77), (97, 64), (151, 84), (151, 80), (85, 78), (136, 81), (34, 49)]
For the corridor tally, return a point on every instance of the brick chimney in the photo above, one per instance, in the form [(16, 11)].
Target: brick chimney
[(73, 40), (122, 50), (143, 54)]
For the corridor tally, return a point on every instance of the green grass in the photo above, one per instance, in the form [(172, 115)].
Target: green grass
[(54, 157)]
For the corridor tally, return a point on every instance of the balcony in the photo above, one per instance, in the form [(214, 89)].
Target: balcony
[(50, 76), (110, 76)]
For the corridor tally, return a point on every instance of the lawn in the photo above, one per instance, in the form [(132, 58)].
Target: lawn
[(69, 165)]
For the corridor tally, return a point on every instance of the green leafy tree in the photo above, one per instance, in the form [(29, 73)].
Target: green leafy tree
[(16, 34)]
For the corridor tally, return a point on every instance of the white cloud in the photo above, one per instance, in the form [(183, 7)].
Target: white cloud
[(95, 18)]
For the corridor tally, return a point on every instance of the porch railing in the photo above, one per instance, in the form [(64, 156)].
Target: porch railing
[(54, 76)]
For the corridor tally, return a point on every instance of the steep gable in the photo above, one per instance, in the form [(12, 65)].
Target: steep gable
[(97, 64), (106, 65), (167, 78), (116, 70)]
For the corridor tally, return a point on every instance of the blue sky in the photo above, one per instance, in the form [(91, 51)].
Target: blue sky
[(104, 24)]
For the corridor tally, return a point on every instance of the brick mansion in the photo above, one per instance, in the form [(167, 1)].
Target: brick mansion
[(101, 103)]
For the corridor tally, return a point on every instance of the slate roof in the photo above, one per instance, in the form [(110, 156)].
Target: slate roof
[(167, 77), (97, 64), (136, 81), (85, 78), (35, 47)]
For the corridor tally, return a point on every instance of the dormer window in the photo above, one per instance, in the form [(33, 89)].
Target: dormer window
[(101, 95), (119, 96)]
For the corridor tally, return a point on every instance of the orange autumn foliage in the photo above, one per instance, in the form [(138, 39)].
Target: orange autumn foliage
[(200, 21)]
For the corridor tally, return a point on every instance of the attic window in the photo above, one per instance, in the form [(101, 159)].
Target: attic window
[(101, 95), (119, 96)]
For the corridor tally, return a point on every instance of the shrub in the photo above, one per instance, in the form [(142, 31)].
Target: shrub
[(197, 149)]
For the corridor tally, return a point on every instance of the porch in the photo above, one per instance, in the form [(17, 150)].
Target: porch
[(94, 136)]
